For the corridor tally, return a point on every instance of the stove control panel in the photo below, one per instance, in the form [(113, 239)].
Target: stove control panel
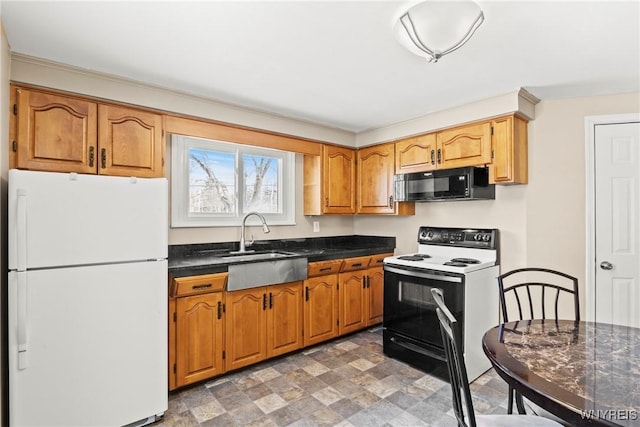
[(460, 237)]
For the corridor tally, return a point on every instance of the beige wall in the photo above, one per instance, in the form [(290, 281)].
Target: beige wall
[(556, 190)]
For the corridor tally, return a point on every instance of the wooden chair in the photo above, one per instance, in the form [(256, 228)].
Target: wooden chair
[(535, 292), (462, 403)]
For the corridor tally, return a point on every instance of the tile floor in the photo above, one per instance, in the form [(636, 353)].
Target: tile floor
[(346, 382)]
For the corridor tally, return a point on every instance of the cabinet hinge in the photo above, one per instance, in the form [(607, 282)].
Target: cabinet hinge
[(491, 130), (15, 109), (224, 354), (15, 146), (175, 316), (174, 368), (338, 286), (338, 322)]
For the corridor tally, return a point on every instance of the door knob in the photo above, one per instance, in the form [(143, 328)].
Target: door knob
[(606, 265)]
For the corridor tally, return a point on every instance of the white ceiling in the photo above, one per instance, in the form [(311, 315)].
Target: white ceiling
[(335, 63)]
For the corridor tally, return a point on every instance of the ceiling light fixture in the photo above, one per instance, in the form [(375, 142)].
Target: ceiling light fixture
[(445, 26)]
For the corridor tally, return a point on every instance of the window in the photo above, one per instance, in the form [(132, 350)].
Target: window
[(216, 183)]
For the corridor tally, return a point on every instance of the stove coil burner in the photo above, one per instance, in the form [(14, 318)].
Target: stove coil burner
[(415, 257), (455, 264), (465, 261)]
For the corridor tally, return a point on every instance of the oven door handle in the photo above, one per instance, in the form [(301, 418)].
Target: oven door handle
[(423, 275)]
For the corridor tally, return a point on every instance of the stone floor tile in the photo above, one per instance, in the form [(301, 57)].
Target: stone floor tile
[(270, 403)]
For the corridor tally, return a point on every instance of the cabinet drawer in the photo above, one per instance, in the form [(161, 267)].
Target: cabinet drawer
[(356, 263), (376, 260), (191, 285), (321, 268)]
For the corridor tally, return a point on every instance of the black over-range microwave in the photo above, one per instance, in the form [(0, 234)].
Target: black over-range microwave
[(448, 184)]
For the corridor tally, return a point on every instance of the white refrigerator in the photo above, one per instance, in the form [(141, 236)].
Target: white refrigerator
[(87, 299)]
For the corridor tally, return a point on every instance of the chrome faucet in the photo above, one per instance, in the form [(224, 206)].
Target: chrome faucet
[(265, 228)]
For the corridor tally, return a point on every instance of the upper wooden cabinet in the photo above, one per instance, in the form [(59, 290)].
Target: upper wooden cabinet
[(417, 154), (509, 142), (468, 145), (332, 186), (130, 142), (375, 182), (330, 181), (54, 133), (339, 179), (500, 143), (61, 133)]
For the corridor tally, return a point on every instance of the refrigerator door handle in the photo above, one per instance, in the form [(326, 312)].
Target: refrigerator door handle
[(21, 232), (22, 321)]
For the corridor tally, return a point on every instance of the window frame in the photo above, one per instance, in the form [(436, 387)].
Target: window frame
[(180, 215)]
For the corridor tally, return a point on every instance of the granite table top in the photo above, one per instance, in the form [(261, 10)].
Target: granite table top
[(586, 373)]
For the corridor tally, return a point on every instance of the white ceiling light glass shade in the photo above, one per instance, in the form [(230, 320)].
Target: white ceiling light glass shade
[(434, 28)]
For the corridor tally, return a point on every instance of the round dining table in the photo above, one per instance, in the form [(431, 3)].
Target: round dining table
[(583, 372)]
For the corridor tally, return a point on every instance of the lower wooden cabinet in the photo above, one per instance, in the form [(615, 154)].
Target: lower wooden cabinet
[(361, 293), (245, 329), (320, 309), (374, 296), (352, 301), (212, 331), (262, 322), (199, 325), (284, 318), (195, 328)]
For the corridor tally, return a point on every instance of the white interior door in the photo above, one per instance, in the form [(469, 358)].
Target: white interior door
[(616, 157)]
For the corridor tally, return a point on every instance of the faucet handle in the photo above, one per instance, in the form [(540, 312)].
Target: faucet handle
[(250, 242)]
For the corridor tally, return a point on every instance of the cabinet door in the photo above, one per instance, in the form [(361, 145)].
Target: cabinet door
[(339, 180), (464, 146), (198, 353), (375, 295), (246, 342), (131, 142), (416, 154), (284, 318), (55, 133), (509, 149), (375, 179), (321, 309), (351, 301)]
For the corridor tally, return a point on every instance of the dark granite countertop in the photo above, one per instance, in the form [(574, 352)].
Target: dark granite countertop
[(207, 258), (588, 372)]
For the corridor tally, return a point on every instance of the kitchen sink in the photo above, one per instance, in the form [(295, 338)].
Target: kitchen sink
[(256, 256), (264, 268)]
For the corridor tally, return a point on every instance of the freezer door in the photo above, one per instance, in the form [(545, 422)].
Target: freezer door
[(65, 219), (94, 351)]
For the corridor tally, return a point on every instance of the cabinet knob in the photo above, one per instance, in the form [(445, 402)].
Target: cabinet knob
[(103, 158), (390, 202)]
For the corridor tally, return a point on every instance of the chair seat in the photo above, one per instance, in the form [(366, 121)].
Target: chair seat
[(536, 410), (514, 421)]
